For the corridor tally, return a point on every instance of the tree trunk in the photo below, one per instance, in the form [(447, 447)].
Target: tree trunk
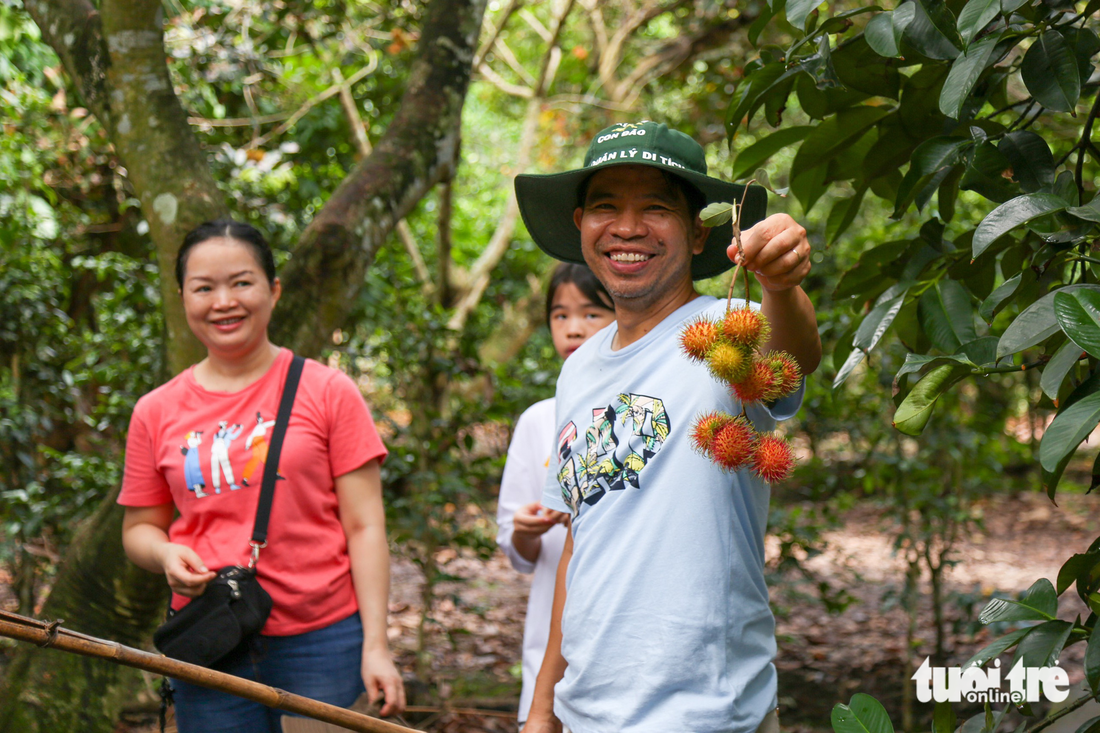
[(116, 58), (98, 592)]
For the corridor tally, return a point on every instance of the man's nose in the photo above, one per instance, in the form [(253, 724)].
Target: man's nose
[(628, 223)]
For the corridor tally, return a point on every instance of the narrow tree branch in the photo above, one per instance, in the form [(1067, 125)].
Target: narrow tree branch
[(505, 86), (362, 144), (502, 237), (494, 34), (325, 273), (315, 100), (536, 26), (1086, 136), (510, 58), (1055, 717), (446, 201)]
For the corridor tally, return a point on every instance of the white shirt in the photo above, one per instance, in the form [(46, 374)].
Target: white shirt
[(522, 483)]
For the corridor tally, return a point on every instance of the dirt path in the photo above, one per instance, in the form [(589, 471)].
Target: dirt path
[(477, 625)]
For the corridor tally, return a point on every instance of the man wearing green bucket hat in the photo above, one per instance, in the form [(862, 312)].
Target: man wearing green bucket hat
[(661, 621)]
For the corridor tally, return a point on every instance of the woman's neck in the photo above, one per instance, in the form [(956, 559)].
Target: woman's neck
[(225, 373)]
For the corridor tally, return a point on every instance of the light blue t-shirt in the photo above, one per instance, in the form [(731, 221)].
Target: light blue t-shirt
[(666, 627)]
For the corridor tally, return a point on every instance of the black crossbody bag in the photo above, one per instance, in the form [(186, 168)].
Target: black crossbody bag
[(234, 605)]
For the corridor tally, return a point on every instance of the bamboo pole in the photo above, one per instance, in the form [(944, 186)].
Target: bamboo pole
[(50, 634)]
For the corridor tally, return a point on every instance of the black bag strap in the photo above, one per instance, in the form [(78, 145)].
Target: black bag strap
[(271, 465)]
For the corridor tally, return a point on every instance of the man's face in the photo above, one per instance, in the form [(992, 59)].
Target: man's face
[(637, 235)]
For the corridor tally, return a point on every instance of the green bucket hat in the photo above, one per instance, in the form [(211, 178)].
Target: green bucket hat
[(547, 202)]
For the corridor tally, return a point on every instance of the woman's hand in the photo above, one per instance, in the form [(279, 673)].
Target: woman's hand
[(382, 678), (186, 572), (533, 520), (538, 724)]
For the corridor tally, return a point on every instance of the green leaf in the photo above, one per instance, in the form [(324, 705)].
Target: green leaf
[(1077, 566), (716, 214), (834, 135), (1054, 373), (1090, 726), (1042, 647), (1092, 661), (1012, 214), (943, 719), (964, 74), (1039, 603), (1035, 324), (1031, 160), (1049, 71), (976, 16), (996, 648), (931, 158), (1078, 314), (752, 157), (984, 173), (1085, 43), (862, 714), (874, 326), (880, 35), (913, 413), (924, 32), (749, 91), (842, 215), (947, 316), (859, 67), (855, 356), (1088, 212), (799, 10), (1069, 427), (992, 305)]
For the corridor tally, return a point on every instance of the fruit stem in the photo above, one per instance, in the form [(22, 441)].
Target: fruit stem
[(738, 207)]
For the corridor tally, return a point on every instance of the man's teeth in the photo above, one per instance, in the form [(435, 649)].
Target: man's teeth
[(629, 257)]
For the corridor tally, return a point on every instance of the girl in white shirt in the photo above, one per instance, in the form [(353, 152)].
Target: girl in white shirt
[(577, 306)]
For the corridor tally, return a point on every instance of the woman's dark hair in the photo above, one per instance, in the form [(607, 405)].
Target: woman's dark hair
[(230, 229), (586, 282)]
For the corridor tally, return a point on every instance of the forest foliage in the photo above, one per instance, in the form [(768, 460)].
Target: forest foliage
[(941, 155)]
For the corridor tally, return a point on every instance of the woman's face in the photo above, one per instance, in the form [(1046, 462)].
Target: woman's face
[(574, 318), (227, 298)]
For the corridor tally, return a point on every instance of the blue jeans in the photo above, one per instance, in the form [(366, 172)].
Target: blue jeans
[(324, 665)]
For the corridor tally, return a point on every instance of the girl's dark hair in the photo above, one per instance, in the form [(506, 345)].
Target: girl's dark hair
[(586, 282), (230, 229)]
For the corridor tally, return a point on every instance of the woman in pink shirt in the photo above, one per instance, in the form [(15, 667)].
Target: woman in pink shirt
[(326, 565)]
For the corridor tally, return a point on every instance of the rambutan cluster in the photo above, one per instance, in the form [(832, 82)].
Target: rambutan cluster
[(731, 350), (733, 443)]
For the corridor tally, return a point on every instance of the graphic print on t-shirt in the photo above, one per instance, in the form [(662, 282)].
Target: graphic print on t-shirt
[(192, 469), (604, 459), (257, 443), (219, 456)]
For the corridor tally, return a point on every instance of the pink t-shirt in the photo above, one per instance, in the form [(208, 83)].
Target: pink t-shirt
[(204, 452)]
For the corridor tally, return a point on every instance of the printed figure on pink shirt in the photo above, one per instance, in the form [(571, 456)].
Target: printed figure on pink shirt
[(219, 456), (257, 441), (192, 470)]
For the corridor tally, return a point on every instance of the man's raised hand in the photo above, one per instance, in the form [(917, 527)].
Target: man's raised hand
[(776, 251)]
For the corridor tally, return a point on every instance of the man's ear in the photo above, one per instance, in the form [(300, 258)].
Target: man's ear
[(699, 235), (577, 214)]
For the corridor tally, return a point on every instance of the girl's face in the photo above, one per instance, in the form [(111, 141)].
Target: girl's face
[(227, 298), (574, 318)]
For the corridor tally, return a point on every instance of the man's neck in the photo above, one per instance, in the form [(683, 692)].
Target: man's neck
[(634, 323)]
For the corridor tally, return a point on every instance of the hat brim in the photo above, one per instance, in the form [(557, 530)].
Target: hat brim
[(547, 203)]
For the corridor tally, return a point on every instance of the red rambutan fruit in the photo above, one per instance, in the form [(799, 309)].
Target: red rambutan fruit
[(706, 428), (734, 444), (759, 385), (772, 460), (729, 363), (698, 338), (746, 327), (786, 370)]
